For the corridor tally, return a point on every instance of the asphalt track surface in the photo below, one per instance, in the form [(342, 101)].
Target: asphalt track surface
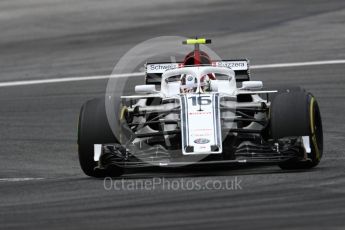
[(52, 39)]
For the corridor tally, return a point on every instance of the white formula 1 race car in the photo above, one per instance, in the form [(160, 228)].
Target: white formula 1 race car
[(200, 112)]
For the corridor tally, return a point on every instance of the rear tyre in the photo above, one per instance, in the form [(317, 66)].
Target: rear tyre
[(298, 114), (285, 89), (93, 128)]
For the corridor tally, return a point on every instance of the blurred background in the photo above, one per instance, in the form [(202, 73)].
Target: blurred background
[(41, 184)]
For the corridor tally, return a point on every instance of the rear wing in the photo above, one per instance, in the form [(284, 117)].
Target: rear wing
[(154, 71)]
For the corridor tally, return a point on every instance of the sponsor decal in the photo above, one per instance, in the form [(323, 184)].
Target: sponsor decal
[(190, 78), (160, 68), (201, 141), (235, 65), (199, 113)]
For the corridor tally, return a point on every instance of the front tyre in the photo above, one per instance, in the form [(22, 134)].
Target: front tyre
[(298, 114), (93, 128)]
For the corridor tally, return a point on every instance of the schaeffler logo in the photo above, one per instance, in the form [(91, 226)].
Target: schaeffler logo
[(157, 68), (147, 122)]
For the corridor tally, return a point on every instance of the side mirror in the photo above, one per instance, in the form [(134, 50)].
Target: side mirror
[(248, 85), (145, 89)]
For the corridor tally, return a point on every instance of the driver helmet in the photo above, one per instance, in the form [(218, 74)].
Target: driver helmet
[(205, 83)]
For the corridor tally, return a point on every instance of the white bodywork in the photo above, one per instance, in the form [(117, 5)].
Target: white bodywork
[(200, 127)]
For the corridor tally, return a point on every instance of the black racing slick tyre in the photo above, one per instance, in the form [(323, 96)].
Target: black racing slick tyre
[(295, 114), (93, 128)]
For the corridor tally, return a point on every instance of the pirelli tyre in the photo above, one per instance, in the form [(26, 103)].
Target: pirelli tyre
[(93, 128), (295, 114)]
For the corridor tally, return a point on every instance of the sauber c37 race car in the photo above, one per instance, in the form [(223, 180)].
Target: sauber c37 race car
[(200, 112)]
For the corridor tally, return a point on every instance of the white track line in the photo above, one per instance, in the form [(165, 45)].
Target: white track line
[(19, 179), (87, 78), (58, 80), (297, 64)]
